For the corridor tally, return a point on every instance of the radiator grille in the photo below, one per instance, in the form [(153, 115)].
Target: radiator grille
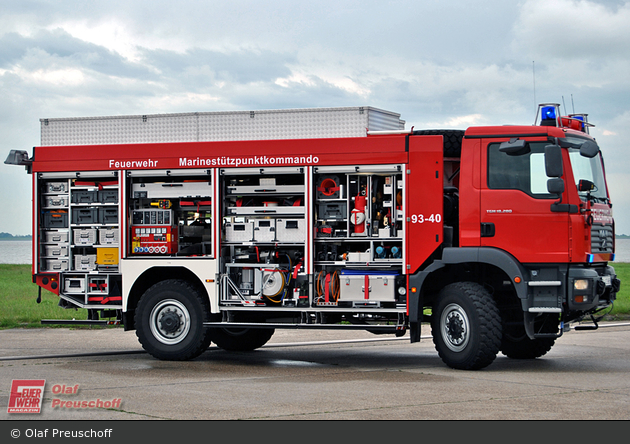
[(602, 239)]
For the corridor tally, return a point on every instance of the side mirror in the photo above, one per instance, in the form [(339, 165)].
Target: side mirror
[(589, 149), (553, 161), (555, 186), (514, 147), (17, 157), (585, 185)]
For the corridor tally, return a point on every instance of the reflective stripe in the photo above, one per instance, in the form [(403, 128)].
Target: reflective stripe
[(544, 283)]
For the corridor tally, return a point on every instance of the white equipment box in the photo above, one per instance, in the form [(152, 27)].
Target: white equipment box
[(305, 123), (355, 286)]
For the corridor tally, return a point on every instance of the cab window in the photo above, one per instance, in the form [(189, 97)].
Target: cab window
[(524, 172)]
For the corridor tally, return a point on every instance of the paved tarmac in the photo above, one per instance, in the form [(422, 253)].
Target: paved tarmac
[(298, 376)]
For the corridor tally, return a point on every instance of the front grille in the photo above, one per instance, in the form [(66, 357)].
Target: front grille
[(602, 239)]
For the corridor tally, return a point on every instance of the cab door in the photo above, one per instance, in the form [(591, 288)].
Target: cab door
[(516, 209)]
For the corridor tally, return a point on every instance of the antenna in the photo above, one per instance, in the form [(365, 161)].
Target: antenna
[(534, 73), (563, 104), (572, 104)]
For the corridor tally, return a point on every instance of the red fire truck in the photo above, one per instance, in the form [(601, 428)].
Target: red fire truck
[(203, 228)]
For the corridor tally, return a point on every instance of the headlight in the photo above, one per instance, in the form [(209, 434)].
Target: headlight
[(580, 284)]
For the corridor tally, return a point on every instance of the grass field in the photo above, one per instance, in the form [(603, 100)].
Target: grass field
[(18, 295), (18, 306)]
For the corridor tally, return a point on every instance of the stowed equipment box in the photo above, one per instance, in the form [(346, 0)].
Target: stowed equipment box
[(366, 285)]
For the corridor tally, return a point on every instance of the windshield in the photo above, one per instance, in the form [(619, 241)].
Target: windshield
[(590, 169)]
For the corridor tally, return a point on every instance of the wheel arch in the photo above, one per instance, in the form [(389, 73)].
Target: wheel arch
[(151, 277), (483, 265)]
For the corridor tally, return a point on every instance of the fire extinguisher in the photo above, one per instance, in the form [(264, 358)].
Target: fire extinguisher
[(357, 216)]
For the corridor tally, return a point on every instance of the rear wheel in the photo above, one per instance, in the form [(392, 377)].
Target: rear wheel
[(169, 321), (516, 344), (241, 339), (466, 326), (526, 348)]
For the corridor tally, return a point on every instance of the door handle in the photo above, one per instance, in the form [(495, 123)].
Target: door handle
[(487, 229)]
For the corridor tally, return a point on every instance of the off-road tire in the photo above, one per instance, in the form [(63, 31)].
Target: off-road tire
[(241, 339), (452, 140), (466, 326), (516, 344), (169, 321)]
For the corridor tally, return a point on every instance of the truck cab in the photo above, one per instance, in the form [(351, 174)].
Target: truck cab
[(535, 230)]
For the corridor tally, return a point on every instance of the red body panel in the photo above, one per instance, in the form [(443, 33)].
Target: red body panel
[(524, 226), (265, 153), (469, 193), (424, 225)]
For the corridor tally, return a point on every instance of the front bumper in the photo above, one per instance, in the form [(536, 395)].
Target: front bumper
[(566, 293), (589, 289)]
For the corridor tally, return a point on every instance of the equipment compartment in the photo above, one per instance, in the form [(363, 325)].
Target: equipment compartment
[(171, 213), (97, 285), (171, 190), (264, 269), (74, 285)]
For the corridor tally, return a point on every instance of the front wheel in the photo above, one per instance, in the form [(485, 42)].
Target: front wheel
[(169, 321), (466, 326)]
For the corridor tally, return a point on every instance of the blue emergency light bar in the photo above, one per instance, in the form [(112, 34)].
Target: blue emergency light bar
[(548, 113), (550, 116), (581, 118)]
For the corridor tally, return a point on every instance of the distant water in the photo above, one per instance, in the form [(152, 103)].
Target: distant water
[(622, 250), (19, 252), (15, 252)]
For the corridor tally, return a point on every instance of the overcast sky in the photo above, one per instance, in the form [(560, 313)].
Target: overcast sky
[(442, 63)]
